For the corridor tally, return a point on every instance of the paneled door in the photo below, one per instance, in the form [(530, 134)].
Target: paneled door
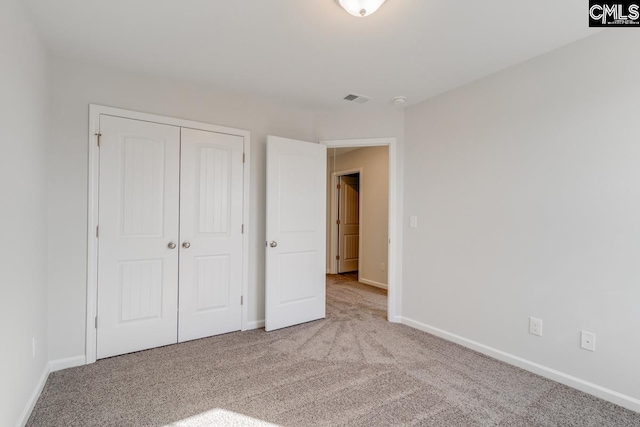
[(210, 234), (348, 223), (138, 235), (295, 231)]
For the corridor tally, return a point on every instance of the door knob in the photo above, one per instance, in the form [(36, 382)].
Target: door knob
[(171, 245), (186, 245), (273, 243)]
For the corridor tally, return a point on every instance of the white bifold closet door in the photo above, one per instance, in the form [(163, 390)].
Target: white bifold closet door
[(138, 222), (170, 242), (211, 234)]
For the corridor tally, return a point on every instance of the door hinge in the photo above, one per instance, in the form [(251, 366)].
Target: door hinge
[(338, 222), (339, 186), (98, 135), (241, 299), (243, 157), (97, 231), (338, 257), (242, 228), (96, 321)]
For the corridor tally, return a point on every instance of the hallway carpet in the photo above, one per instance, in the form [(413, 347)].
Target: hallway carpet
[(351, 369)]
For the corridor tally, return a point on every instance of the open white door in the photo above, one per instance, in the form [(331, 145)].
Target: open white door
[(296, 239)]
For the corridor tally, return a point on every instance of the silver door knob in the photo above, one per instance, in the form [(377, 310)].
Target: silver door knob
[(186, 245), (171, 245), (273, 243)]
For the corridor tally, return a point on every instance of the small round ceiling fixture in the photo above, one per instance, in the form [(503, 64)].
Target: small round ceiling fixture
[(360, 8), (399, 100)]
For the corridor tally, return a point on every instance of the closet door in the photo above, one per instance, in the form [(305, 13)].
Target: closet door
[(211, 189), (138, 236)]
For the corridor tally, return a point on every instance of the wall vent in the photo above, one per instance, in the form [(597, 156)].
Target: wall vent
[(360, 99)]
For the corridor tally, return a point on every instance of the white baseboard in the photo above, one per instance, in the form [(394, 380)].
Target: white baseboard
[(26, 413), (544, 371), (69, 362), (256, 324), (51, 366), (373, 283), (395, 319)]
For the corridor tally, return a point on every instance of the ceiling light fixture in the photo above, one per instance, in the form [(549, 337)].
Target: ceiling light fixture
[(360, 8), (399, 101)]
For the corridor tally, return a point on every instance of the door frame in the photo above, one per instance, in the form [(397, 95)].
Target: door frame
[(333, 216), (95, 111), (394, 262)]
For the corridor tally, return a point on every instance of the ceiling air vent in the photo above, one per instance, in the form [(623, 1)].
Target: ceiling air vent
[(360, 99)]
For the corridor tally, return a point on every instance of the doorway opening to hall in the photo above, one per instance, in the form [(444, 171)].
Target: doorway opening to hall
[(358, 223)]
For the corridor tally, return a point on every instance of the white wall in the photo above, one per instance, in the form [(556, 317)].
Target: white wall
[(359, 122), (374, 208), (75, 86), (526, 185), (23, 131)]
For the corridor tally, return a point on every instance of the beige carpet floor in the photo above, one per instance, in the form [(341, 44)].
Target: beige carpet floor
[(351, 369)]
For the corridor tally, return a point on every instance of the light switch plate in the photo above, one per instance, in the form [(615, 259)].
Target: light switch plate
[(413, 221)]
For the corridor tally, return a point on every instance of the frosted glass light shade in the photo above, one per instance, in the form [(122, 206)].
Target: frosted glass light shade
[(360, 8)]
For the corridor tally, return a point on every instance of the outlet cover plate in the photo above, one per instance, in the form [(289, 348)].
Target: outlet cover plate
[(535, 326), (588, 340)]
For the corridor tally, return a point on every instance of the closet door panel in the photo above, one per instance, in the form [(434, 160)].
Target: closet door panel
[(211, 189), (138, 219)]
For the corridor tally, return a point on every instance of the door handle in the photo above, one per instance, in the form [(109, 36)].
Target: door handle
[(273, 243), (171, 245), (186, 245)]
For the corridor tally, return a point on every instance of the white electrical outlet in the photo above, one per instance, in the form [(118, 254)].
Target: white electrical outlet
[(382, 266), (413, 221), (588, 341), (33, 346), (535, 326)]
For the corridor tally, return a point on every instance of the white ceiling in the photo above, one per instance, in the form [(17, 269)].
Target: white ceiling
[(311, 53)]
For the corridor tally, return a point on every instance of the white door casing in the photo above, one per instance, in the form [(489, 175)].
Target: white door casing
[(349, 224), (295, 232), (138, 217), (210, 233)]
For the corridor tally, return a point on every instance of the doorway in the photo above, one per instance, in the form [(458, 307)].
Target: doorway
[(387, 265), (348, 201), (360, 199)]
